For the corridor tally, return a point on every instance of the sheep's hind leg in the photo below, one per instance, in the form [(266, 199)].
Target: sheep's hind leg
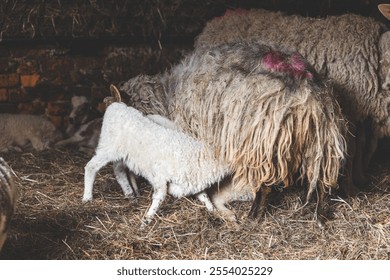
[(121, 177), (259, 203), (92, 167)]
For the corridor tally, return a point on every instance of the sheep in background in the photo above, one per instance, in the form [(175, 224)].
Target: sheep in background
[(84, 126), (8, 196), (170, 160), (85, 137), (17, 131), (351, 50), (263, 111)]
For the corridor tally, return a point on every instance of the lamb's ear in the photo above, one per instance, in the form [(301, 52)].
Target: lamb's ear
[(115, 93), (385, 10)]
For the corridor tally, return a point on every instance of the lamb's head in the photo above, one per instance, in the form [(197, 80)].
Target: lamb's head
[(384, 48)]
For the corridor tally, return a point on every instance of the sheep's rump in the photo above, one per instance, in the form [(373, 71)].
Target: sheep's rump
[(263, 112), (344, 48)]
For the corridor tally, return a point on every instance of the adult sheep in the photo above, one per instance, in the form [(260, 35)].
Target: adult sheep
[(265, 112), (351, 50)]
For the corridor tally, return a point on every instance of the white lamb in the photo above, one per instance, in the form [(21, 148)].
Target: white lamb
[(170, 160)]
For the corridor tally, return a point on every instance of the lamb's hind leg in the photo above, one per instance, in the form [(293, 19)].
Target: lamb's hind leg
[(121, 177), (92, 167), (159, 193)]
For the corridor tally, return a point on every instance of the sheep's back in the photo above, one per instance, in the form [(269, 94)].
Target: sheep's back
[(345, 48)]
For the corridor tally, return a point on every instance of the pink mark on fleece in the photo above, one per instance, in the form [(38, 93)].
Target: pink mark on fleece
[(293, 65)]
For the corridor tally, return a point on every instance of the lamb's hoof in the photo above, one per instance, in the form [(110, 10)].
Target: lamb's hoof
[(86, 199), (145, 223), (130, 196), (320, 223)]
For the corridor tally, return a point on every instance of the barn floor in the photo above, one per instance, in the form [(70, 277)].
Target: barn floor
[(51, 222)]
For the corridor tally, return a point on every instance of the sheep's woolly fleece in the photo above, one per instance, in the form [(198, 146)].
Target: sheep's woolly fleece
[(345, 48)]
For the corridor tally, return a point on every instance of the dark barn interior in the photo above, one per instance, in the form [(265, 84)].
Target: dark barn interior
[(53, 50)]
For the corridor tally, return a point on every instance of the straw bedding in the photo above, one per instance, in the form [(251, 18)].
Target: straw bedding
[(51, 222)]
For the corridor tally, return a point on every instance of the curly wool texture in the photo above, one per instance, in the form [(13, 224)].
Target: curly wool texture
[(344, 48), (149, 94)]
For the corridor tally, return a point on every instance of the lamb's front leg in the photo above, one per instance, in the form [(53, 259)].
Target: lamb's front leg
[(159, 193), (90, 170), (121, 177)]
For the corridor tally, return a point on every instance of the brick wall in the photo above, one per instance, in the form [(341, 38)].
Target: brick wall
[(42, 79)]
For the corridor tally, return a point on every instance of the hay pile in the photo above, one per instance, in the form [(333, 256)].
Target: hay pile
[(141, 20), (51, 222)]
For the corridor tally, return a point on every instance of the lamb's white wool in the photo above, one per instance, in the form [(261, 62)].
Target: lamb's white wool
[(16, 131), (8, 195), (163, 156), (120, 167)]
